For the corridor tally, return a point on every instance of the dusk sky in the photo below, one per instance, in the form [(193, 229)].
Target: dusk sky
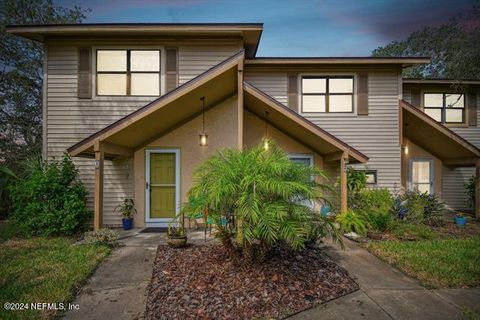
[(293, 28)]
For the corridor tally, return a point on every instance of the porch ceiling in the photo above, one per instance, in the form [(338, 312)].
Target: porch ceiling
[(166, 112), (297, 126), (437, 139)]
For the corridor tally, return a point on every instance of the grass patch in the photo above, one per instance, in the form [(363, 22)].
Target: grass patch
[(436, 263), (44, 270), (9, 230), (412, 231)]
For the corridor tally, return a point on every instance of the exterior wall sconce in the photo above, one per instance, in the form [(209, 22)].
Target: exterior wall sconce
[(265, 139), (203, 137), (405, 150)]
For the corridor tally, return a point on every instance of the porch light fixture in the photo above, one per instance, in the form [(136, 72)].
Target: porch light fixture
[(203, 137), (265, 139)]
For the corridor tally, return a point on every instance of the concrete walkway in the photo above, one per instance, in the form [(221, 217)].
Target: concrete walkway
[(386, 293), (117, 289)]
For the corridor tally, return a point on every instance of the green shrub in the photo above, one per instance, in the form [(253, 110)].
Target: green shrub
[(470, 191), (103, 236), (356, 180), (411, 231), (50, 200), (258, 196), (415, 205), (351, 222), (373, 206), (6, 178)]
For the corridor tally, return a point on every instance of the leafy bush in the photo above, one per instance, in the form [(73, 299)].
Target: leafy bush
[(6, 178), (351, 222), (373, 206), (126, 208), (470, 191), (50, 200), (433, 211), (257, 195), (416, 207), (356, 180), (103, 236)]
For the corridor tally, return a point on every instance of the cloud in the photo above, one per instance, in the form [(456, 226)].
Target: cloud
[(394, 20)]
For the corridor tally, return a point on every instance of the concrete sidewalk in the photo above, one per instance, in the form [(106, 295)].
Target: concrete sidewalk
[(386, 293), (117, 290)]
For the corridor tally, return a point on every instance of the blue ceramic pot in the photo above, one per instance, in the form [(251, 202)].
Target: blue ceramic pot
[(461, 221), (127, 224)]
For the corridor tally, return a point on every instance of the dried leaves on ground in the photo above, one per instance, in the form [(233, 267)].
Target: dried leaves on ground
[(210, 283)]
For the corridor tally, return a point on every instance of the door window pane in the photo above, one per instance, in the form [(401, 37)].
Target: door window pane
[(454, 115), (454, 100), (421, 171), (341, 103), (340, 85), (144, 60), (436, 114), (145, 84), (111, 60), (433, 100), (314, 85), (111, 84), (313, 103)]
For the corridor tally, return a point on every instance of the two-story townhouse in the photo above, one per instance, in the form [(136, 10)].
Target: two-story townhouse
[(140, 106)]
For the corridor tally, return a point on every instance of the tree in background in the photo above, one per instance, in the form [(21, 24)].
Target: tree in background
[(454, 48), (21, 77)]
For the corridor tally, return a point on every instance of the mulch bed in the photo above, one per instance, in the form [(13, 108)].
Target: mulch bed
[(207, 282)]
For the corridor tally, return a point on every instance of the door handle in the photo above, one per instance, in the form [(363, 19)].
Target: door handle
[(147, 186)]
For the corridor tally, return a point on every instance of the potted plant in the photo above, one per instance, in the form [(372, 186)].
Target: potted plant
[(176, 235), (127, 209), (460, 219)]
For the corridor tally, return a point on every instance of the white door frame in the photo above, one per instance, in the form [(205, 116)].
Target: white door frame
[(161, 222), (432, 172)]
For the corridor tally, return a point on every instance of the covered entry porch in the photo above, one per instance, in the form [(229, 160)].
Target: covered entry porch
[(429, 149), (164, 135)]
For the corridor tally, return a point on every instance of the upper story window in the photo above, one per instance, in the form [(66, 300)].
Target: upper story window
[(327, 94), (445, 107), (128, 72)]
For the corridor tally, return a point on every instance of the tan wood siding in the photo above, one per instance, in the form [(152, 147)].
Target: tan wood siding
[(275, 84), (375, 135), (70, 119), (454, 180), (196, 59)]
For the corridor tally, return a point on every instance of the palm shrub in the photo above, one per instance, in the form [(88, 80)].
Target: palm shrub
[(49, 199), (259, 197)]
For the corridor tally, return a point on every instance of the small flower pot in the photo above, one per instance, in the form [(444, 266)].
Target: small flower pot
[(460, 221), (177, 241), (127, 223), (374, 235)]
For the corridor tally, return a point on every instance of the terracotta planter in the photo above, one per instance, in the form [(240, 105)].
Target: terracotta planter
[(374, 235), (177, 241)]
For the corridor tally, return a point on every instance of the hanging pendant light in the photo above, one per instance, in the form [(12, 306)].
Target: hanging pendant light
[(203, 136), (265, 138)]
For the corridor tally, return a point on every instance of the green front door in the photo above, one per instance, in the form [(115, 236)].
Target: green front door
[(163, 185)]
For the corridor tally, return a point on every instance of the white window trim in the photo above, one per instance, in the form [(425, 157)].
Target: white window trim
[(328, 74), (162, 222), (128, 47)]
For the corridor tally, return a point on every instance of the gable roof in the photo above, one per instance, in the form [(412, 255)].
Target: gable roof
[(177, 106), (297, 126), (436, 138), (312, 61), (250, 32)]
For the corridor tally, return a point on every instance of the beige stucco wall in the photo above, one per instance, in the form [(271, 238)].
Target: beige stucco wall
[(221, 126), (254, 132), (415, 151)]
